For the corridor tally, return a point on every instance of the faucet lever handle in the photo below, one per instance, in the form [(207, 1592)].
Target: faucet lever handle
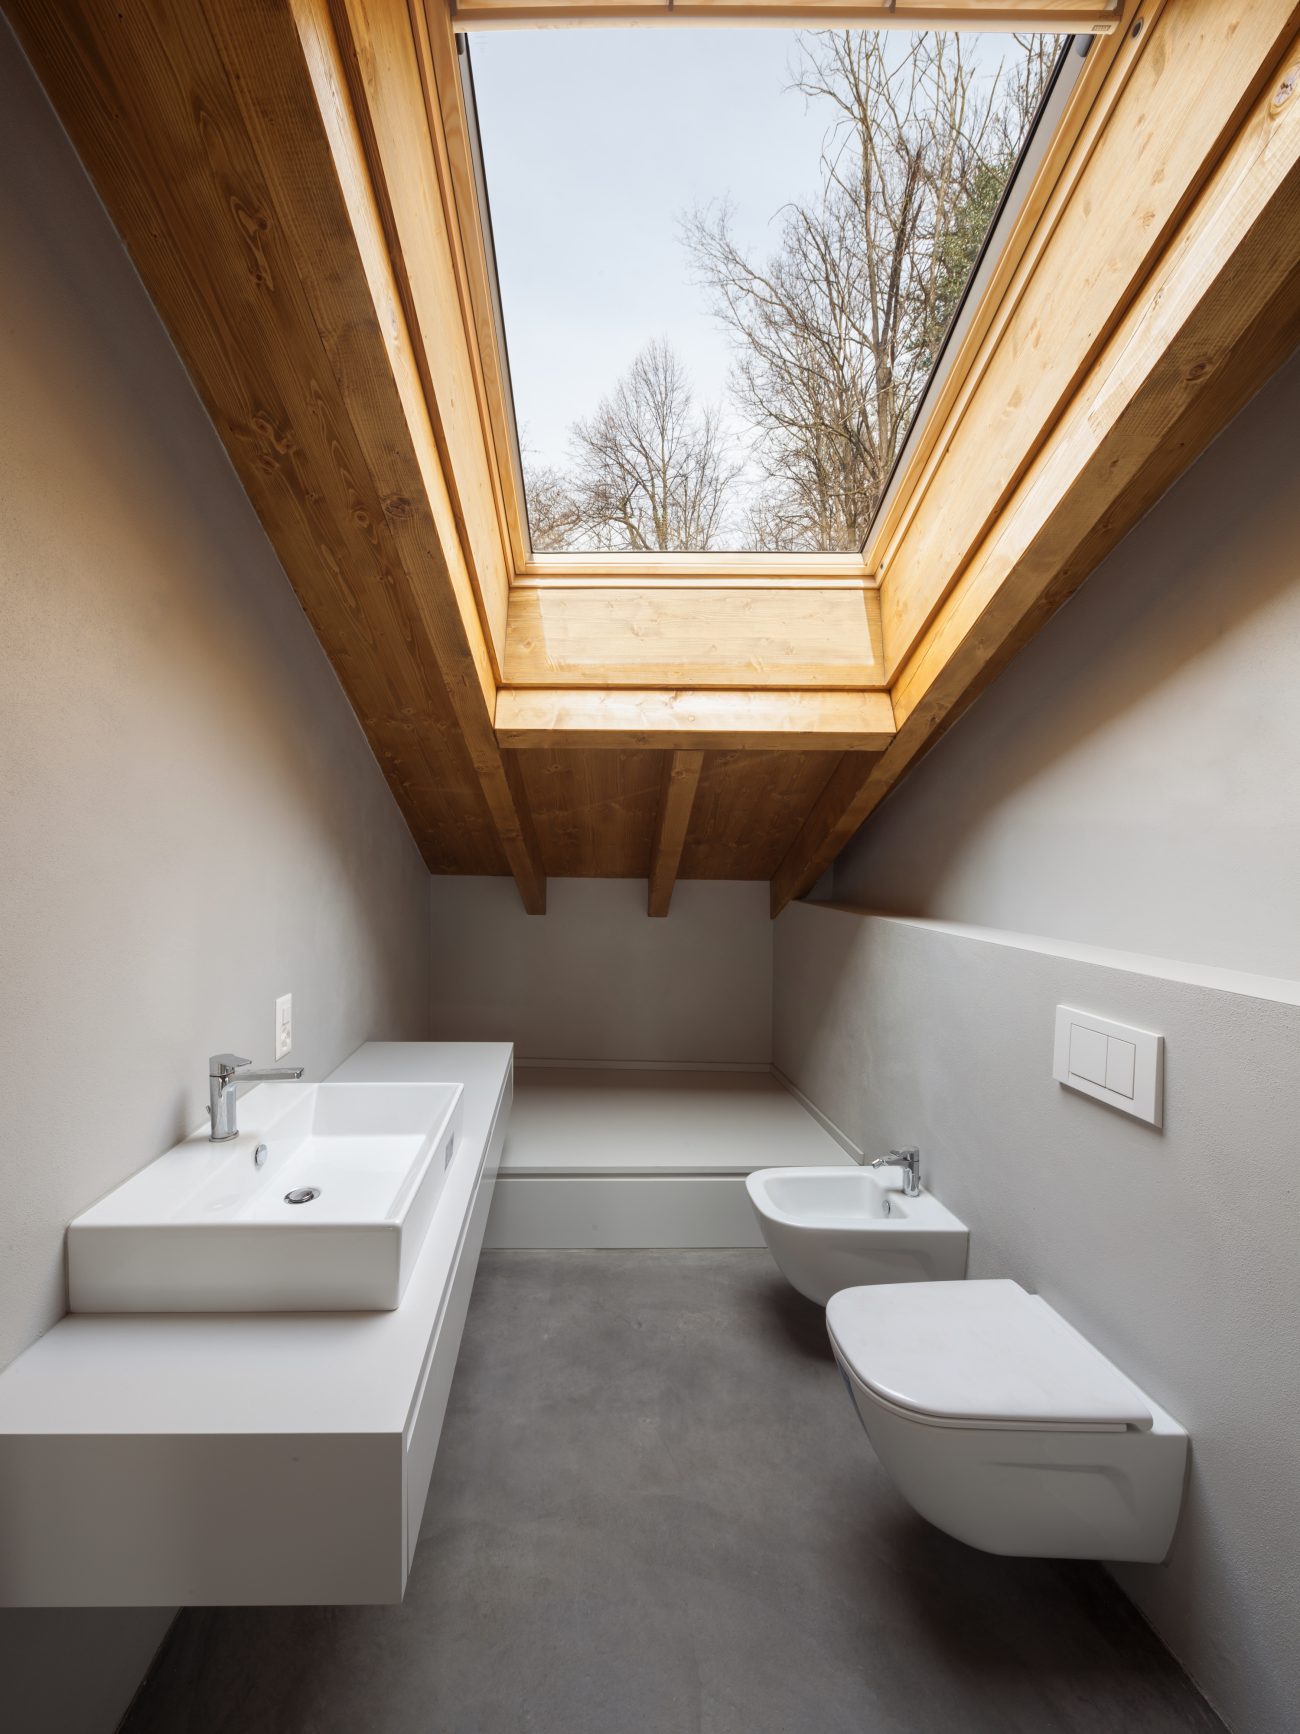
[(225, 1065), (906, 1155)]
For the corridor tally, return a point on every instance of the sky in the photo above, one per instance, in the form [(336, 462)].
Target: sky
[(595, 142)]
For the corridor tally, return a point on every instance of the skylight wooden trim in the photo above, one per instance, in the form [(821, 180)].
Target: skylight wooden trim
[(941, 405), (410, 171), (1215, 317), (737, 634), (916, 593), (776, 721), (464, 211), (1097, 16), (692, 578), (1117, 201), (699, 569)]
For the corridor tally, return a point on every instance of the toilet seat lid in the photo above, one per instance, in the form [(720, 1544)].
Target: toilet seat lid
[(985, 1352)]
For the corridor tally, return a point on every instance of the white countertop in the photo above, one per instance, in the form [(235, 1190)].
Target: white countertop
[(571, 1120), (299, 1373)]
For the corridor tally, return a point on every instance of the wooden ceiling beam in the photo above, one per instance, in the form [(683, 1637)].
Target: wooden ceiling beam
[(222, 140), (681, 779), (1216, 317), (819, 722)]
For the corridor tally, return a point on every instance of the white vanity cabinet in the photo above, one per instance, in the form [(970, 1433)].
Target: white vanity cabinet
[(241, 1459)]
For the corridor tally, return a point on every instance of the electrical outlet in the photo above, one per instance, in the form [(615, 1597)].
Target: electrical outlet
[(283, 1025)]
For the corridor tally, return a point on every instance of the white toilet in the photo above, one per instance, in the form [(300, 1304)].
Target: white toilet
[(831, 1228), (1003, 1426)]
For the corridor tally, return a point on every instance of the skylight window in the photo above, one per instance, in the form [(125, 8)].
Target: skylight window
[(726, 263)]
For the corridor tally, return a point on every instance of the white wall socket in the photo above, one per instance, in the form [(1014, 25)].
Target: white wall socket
[(283, 1025)]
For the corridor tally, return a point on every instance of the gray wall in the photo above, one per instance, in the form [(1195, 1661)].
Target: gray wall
[(1131, 785), (193, 822), (1173, 1250), (598, 979), (1134, 779)]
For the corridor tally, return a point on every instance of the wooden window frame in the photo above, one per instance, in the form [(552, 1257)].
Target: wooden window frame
[(1096, 17), (467, 213)]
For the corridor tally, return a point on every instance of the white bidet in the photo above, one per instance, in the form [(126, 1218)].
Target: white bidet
[(834, 1228)]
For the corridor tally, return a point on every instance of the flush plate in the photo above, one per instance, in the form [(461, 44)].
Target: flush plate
[(1114, 1063)]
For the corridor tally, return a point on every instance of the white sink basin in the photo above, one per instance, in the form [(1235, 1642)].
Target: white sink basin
[(834, 1228), (205, 1229)]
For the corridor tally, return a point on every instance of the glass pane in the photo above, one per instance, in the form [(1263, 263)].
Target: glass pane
[(727, 259)]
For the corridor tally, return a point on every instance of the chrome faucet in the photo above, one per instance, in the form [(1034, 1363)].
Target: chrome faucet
[(224, 1076), (907, 1159)]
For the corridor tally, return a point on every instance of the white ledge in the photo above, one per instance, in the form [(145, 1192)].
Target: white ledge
[(1280, 989)]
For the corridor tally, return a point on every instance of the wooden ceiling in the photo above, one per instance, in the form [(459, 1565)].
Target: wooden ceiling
[(290, 177)]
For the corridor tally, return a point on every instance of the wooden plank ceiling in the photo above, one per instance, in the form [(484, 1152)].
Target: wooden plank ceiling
[(284, 174)]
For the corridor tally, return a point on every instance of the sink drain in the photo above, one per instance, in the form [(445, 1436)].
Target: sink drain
[(302, 1195)]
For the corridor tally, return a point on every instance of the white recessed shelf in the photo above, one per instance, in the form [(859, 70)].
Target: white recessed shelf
[(624, 1157)]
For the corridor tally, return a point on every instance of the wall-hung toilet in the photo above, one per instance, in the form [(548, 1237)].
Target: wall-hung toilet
[(831, 1228), (1003, 1426)]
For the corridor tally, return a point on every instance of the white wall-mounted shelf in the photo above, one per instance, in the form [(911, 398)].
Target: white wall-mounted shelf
[(155, 1460)]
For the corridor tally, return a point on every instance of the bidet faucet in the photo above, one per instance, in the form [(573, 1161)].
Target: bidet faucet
[(907, 1159), (224, 1075)]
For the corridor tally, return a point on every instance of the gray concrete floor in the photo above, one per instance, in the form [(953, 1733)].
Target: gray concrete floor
[(654, 1512)]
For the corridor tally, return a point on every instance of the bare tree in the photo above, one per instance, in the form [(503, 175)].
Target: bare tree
[(837, 332), (651, 471), (1023, 78), (554, 515)]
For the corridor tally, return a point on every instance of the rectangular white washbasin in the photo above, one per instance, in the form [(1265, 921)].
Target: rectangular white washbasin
[(205, 1228)]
